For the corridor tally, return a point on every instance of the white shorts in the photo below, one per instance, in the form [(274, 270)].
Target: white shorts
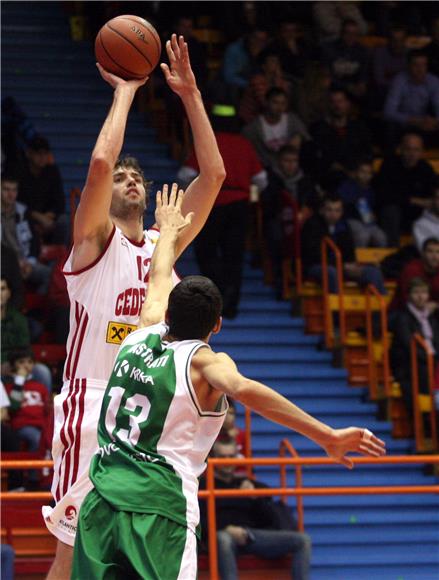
[(77, 409)]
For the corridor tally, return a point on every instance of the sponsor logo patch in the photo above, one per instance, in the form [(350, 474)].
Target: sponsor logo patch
[(117, 332)]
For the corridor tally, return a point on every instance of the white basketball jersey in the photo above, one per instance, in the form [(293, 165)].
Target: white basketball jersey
[(105, 302)]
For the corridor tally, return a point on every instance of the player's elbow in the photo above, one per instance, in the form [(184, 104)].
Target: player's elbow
[(100, 166)]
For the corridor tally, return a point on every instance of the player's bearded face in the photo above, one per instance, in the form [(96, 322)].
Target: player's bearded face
[(129, 196)]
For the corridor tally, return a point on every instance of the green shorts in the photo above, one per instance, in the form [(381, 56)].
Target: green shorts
[(116, 545)]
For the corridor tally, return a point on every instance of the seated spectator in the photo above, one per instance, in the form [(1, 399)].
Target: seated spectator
[(427, 226), (313, 94), (432, 49), (275, 127), (58, 298), (18, 234), (339, 140), (9, 443), (7, 562), (329, 17), (415, 317), (403, 186), (413, 99), (15, 334), (231, 432), (239, 61), (286, 181), (329, 222), (29, 408), (290, 48), (359, 203), (347, 60), (426, 268), (221, 257), (41, 190), (269, 76), (17, 130), (10, 270), (388, 61), (258, 526)]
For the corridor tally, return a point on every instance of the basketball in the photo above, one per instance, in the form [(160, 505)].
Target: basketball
[(128, 46)]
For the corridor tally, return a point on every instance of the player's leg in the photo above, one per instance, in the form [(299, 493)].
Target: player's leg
[(61, 566), (95, 553), (157, 547)]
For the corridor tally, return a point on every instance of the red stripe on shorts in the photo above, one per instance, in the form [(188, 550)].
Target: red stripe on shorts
[(62, 434), (80, 341), (71, 436), (78, 431), (78, 316)]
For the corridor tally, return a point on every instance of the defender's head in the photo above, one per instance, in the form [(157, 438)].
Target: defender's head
[(130, 189), (194, 309)]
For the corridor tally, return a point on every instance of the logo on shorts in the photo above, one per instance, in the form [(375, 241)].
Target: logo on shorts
[(122, 368), (70, 512)]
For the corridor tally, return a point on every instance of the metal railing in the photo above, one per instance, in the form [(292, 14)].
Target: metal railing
[(371, 293), (328, 244)]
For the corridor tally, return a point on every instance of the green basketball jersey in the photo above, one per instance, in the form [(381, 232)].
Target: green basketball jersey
[(153, 436)]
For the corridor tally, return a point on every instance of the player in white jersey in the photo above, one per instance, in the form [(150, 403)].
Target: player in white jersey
[(162, 411), (107, 275)]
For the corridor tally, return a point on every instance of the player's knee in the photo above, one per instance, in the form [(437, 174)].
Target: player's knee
[(225, 540)]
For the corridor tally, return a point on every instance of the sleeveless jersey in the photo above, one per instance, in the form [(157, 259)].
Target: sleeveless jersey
[(105, 302), (153, 436)]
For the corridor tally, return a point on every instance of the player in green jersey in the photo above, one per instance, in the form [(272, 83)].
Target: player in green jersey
[(162, 411)]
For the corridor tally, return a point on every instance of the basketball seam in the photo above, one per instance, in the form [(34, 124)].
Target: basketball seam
[(132, 44), (150, 28), (115, 62)]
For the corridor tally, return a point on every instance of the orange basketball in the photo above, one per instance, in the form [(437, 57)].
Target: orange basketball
[(128, 46)]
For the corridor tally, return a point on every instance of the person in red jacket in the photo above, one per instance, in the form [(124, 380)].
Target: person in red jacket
[(427, 268), (219, 247), (29, 407)]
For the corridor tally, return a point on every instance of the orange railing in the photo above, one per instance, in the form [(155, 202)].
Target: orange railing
[(287, 447), (328, 244), (211, 493), (416, 340), (372, 292)]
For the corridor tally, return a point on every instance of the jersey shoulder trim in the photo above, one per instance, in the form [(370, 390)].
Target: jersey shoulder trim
[(191, 389), (90, 266)]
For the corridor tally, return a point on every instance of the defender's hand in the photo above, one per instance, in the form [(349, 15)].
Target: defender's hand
[(179, 75), (354, 439), (168, 214)]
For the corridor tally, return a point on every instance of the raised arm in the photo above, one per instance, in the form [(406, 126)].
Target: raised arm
[(92, 220), (171, 223), (221, 373), (201, 193)]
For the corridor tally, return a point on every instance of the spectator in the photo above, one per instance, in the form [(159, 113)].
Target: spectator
[(330, 222), (7, 562), (347, 60), (18, 235), (313, 94), (413, 98), (9, 442), (329, 18), (403, 185), (41, 190), (185, 27), (388, 61), (258, 526), (231, 432), (426, 268), (275, 127), (359, 203), (17, 130), (240, 61), (416, 317), (219, 247), (427, 226), (286, 182), (339, 139), (432, 50), (59, 301), (10, 269), (29, 405), (270, 76), (15, 334), (290, 48)]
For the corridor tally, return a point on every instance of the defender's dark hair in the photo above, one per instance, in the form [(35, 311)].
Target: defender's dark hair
[(129, 161), (194, 307)]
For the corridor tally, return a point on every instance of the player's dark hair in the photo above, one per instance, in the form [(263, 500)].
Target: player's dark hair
[(194, 307), (131, 162)]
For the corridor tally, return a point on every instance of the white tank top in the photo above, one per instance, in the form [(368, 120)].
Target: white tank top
[(105, 302)]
